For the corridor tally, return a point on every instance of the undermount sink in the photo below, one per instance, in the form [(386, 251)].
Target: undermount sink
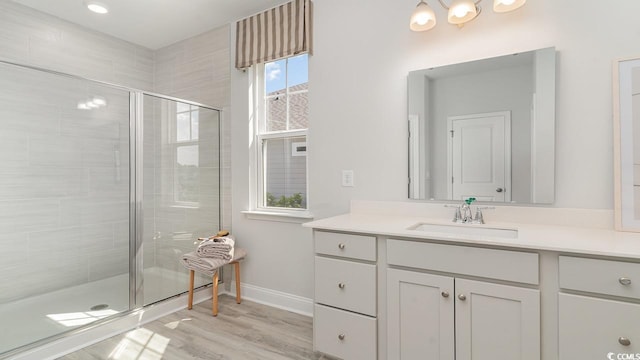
[(466, 229)]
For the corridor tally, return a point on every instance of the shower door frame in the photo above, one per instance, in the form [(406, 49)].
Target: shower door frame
[(136, 211)]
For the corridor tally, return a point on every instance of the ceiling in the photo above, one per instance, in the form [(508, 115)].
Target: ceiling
[(153, 23)]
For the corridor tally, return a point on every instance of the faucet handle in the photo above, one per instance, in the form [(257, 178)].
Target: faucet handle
[(457, 216), (478, 218)]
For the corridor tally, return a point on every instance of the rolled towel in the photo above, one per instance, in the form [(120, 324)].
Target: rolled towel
[(217, 247)]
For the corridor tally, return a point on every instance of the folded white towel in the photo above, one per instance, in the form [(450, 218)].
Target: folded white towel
[(208, 265), (202, 264), (217, 247)]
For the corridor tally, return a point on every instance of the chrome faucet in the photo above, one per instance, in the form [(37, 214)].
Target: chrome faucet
[(463, 213)]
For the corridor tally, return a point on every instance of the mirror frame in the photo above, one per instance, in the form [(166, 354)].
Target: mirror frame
[(624, 208)]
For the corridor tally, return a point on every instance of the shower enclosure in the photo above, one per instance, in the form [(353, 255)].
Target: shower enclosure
[(102, 188)]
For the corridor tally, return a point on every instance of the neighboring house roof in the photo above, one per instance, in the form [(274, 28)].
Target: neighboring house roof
[(298, 109)]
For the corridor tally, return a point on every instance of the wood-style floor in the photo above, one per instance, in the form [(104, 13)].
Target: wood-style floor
[(246, 331)]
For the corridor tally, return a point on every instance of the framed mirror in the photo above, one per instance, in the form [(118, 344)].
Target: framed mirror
[(626, 110), (484, 129)]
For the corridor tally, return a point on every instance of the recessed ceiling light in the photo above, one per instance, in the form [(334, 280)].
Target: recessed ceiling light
[(97, 8)]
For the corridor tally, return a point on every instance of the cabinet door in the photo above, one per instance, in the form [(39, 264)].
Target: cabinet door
[(593, 328), (420, 316), (496, 321)]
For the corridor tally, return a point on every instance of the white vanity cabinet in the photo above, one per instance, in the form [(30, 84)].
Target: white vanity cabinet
[(345, 306), (599, 309), (432, 316)]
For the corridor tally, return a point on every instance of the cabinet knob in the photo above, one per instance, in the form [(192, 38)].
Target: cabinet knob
[(624, 341), (462, 297), (341, 285), (341, 337), (625, 281), (445, 294), (341, 246)]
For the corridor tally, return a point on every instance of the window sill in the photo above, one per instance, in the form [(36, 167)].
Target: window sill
[(280, 216)]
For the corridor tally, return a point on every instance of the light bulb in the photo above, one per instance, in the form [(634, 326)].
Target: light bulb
[(501, 6), (461, 11), (422, 19)]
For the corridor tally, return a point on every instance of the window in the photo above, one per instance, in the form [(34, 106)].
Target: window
[(282, 134), (186, 174)]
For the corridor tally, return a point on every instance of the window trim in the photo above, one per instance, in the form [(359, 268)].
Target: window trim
[(172, 109), (259, 210)]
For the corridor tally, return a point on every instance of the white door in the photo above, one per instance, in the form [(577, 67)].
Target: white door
[(420, 310), (496, 321), (480, 156)]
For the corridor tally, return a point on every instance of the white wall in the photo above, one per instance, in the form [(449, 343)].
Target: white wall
[(357, 99)]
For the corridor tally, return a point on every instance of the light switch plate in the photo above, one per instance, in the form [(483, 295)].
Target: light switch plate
[(347, 178)]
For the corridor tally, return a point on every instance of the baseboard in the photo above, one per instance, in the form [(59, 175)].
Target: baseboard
[(277, 299), (105, 330)]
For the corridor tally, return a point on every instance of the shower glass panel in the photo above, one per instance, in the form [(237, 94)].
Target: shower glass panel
[(64, 203), (181, 200)]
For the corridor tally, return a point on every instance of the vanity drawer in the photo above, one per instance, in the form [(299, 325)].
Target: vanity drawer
[(608, 277), (346, 284), (344, 334), (345, 245), (591, 328), (506, 265)]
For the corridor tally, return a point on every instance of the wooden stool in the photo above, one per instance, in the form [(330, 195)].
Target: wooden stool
[(239, 255)]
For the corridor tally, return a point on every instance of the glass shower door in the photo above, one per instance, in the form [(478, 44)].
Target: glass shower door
[(64, 203), (181, 189)]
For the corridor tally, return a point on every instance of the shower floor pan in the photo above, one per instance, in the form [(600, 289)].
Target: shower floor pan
[(38, 317)]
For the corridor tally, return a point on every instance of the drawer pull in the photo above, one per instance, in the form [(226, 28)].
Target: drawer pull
[(624, 281), (462, 297), (341, 337), (445, 294), (624, 341), (341, 246), (341, 285)]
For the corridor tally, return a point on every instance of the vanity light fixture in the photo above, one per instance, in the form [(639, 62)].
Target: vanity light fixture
[(97, 7), (459, 12)]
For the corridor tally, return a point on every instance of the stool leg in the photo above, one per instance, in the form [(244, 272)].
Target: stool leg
[(190, 304), (215, 294), (236, 265)]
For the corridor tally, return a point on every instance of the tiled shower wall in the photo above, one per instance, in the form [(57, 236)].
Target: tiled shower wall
[(26, 239), (197, 69)]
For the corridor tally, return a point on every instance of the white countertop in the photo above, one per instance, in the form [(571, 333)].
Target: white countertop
[(565, 239)]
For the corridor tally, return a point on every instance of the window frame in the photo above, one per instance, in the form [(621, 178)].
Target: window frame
[(176, 144), (261, 135)]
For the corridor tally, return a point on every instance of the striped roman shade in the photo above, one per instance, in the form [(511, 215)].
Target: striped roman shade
[(274, 34)]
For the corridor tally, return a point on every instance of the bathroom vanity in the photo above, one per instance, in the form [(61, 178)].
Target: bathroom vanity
[(393, 285)]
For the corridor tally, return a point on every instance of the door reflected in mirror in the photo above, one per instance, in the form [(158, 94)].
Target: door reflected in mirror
[(626, 97), (484, 129)]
